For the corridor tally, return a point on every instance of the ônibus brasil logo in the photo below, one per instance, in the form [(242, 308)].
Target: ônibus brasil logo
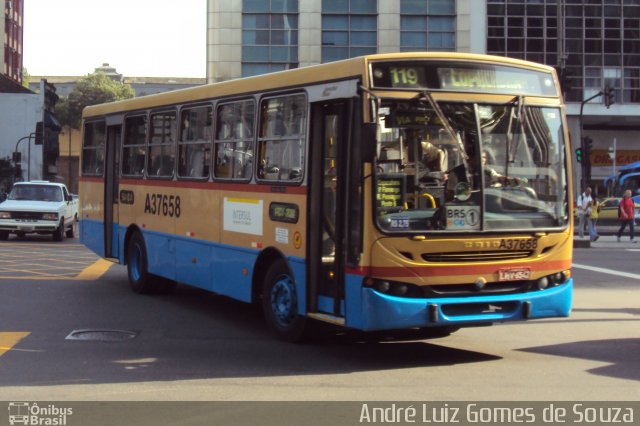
[(27, 413)]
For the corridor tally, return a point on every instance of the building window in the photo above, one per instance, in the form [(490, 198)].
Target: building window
[(269, 36), (600, 39), (427, 25), (349, 29)]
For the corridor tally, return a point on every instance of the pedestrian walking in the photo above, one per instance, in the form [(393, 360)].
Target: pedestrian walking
[(626, 213), (585, 204), (595, 212)]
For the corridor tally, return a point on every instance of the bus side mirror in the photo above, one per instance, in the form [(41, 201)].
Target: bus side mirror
[(369, 133)]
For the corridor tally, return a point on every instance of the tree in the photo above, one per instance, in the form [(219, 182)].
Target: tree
[(7, 174), (26, 78), (93, 89)]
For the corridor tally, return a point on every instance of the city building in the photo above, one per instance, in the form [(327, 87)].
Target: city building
[(252, 37), (142, 86), (11, 26), (28, 128), (594, 44)]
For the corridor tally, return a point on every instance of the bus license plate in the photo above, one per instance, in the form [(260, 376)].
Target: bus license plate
[(516, 274)]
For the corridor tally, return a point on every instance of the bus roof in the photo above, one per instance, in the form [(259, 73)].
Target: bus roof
[(354, 67)]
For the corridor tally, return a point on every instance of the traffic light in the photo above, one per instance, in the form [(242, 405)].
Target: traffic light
[(588, 144), (579, 155), (50, 96), (39, 132), (609, 96), (565, 78)]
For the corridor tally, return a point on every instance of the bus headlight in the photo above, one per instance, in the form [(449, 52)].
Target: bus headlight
[(553, 279), (543, 283), (560, 277), (393, 288), (382, 286), (5, 215), (49, 216)]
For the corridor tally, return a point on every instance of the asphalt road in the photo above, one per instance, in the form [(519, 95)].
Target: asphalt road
[(195, 346)]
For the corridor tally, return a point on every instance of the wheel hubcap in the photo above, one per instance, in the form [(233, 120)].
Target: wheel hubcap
[(283, 301)]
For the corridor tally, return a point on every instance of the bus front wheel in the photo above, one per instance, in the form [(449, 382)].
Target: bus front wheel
[(280, 303), (139, 277)]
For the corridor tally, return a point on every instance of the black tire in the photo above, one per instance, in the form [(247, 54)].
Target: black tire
[(280, 303), (58, 234), (71, 232), (4, 235), (139, 277)]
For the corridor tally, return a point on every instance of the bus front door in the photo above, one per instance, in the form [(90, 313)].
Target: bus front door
[(111, 246), (327, 207)]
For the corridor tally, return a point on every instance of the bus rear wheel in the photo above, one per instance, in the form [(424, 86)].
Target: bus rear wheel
[(280, 303), (139, 277)]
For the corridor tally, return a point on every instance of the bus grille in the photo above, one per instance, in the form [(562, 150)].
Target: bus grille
[(26, 215), (476, 256), (464, 290)]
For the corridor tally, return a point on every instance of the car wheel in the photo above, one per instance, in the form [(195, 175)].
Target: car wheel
[(4, 235), (280, 303), (58, 234), (71, 232)]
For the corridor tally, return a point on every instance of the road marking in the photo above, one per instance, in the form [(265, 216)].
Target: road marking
[(9, 340), (94, 271), (607, 271)]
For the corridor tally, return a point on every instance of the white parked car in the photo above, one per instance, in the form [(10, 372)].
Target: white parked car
[(40, 207)]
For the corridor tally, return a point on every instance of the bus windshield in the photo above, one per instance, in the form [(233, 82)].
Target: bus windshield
[(468, 167)]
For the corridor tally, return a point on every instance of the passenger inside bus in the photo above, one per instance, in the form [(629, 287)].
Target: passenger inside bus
[(435, 162)]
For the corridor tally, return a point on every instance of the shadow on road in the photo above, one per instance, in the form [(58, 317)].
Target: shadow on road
[(620, 354), (191, 334)]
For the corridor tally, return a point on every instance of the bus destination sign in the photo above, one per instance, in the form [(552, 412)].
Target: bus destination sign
[(461, 77)]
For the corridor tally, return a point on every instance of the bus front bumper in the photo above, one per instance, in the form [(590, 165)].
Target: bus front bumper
[(384, 312)]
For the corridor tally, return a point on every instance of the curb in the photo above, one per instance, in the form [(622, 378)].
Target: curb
[(577, 243)]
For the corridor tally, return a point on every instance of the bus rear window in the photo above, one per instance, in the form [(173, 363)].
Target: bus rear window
[(93, 149)]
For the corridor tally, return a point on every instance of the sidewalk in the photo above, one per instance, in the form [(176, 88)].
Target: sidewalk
[(606, 241)]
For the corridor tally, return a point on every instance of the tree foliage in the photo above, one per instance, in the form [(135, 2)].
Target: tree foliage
[(94, 89), (26, 78), (7, 174)]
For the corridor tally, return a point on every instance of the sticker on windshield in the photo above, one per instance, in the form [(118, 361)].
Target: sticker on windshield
[(462, 218)]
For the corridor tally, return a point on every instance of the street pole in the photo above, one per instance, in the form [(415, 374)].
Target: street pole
[(583, 167), (615, 140), (32, 135)]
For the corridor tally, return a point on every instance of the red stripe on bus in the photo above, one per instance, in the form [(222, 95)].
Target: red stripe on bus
[(443, 271), (237, 187)]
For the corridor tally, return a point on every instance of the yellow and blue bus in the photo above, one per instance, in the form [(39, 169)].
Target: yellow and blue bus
[(426, 191)]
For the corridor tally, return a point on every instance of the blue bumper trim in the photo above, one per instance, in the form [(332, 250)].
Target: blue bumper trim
[(379, 311)]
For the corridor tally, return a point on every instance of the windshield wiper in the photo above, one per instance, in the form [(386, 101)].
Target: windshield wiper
[(518, 102), (445, 122)]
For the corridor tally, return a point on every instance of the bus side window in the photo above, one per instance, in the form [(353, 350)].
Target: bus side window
[(194, 147), (281, 144), (234, 140)]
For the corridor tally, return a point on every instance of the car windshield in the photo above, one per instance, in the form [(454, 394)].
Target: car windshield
[(453, 167), (36, 193)]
